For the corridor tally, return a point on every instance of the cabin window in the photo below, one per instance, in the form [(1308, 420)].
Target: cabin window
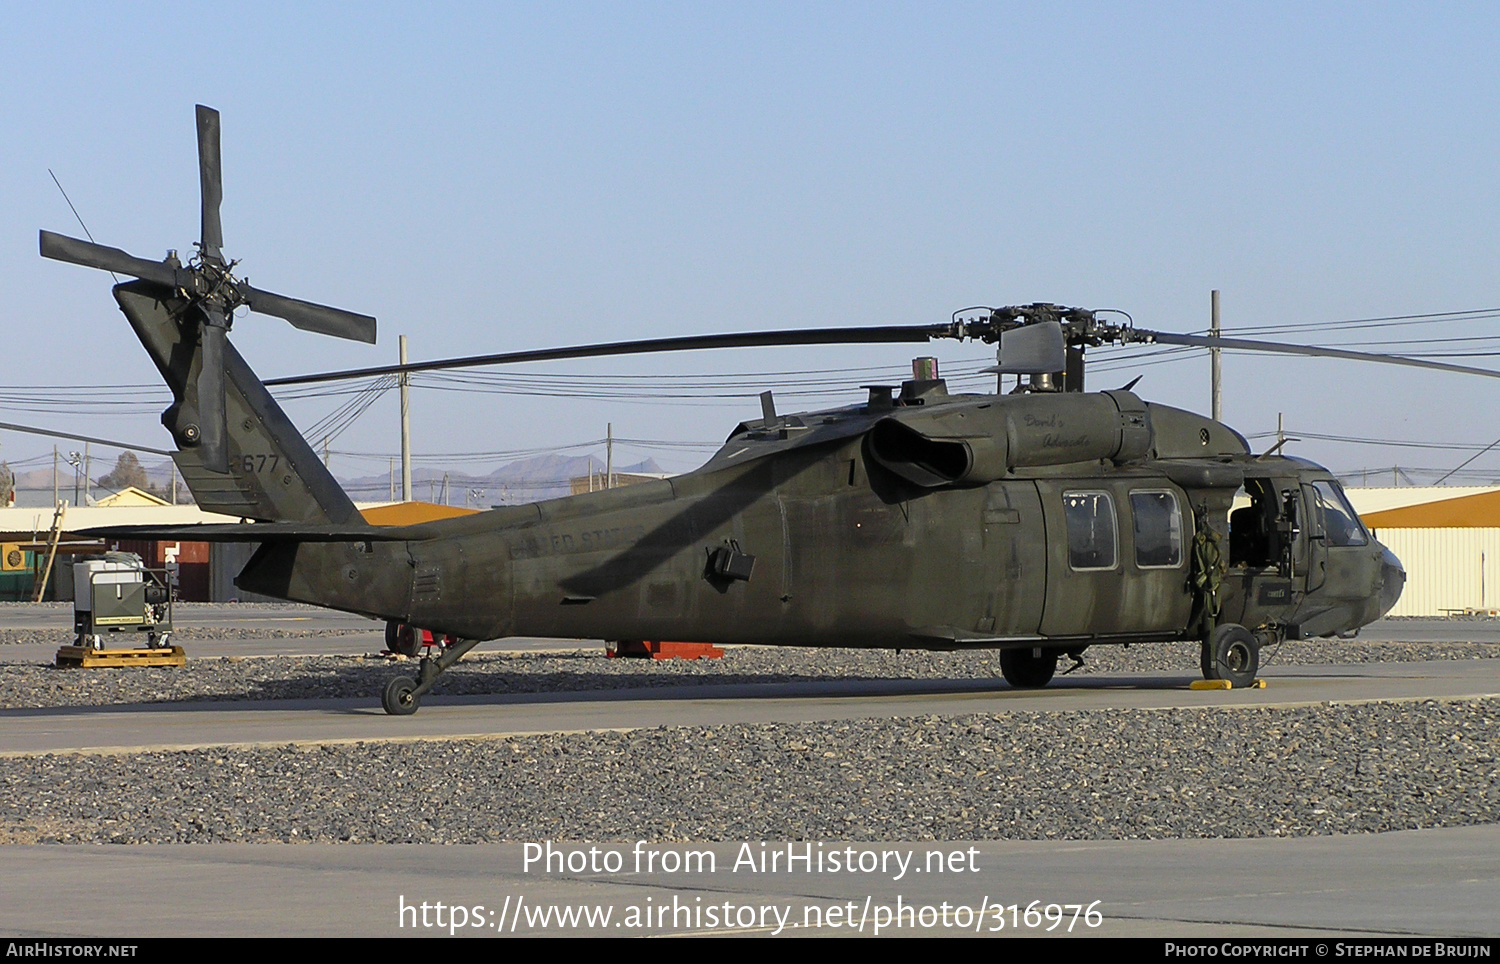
[(1340, 522), (1091, 529), (1158, 529)]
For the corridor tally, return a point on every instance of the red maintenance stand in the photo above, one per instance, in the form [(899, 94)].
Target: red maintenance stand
[(660, 649)]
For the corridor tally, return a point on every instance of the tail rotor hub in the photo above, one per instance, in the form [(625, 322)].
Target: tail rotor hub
[(213, 293)]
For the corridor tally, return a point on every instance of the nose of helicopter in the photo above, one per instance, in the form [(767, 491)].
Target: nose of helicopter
[(1393, 580)]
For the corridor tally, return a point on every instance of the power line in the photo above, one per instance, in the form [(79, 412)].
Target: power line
[(1385, 321), (1357, 440)]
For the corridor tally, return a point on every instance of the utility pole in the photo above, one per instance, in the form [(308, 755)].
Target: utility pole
[(609, 455), (54, 475), (1216, 388), (87, 480), (405, 426)]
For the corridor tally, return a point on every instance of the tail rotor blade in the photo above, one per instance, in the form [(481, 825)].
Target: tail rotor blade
[(311, 317), (60, 247), (212, 448), (210, 181)]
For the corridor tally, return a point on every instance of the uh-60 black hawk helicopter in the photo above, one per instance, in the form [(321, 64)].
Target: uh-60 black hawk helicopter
[(1040, 522)]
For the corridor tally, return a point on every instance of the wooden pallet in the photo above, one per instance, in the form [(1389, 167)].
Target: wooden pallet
[(84, 657)]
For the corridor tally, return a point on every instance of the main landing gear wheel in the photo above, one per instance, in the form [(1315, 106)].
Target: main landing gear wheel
[(399, 698), (1025, 669), (401, 638), (1231, 653)]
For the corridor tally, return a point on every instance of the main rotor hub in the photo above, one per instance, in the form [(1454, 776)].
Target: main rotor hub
[(1081, 326), (215, 286)]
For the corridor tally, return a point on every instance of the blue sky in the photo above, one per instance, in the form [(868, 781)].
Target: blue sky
[(495, 177)]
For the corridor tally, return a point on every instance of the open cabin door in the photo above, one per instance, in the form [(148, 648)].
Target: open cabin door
[(1275, 556)]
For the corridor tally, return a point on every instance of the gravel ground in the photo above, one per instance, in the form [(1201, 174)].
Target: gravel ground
[(1073, 775), (327, 677)]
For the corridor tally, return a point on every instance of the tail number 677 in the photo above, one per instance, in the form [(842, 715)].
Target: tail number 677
[(252, 464)]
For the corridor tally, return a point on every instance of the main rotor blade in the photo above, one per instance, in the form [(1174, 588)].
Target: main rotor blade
[(311, 317), (212, 447), (756, 339), (210, 182), (60, 247), (1245, 344), (48, 433)]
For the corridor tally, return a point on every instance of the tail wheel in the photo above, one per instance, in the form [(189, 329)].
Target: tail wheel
[(1028, 668), (402, 638), (1231, 653), (399, 698)]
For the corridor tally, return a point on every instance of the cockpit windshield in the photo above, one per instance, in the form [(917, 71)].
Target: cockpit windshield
[(1340, 521)]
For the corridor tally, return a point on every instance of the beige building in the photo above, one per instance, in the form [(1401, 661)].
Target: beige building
[(30, 551), (1448, 538)]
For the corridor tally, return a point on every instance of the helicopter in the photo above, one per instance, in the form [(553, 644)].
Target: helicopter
[(1041, 522)]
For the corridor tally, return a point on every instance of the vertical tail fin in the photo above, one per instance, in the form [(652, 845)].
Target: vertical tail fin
[(274, 475)]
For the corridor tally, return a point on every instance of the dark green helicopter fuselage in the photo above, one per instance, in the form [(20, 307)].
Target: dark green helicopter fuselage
[(916, 520)]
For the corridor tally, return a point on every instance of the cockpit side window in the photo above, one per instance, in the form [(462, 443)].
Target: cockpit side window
[(1340, 522)]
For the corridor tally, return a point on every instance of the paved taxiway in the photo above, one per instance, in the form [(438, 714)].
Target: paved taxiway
[(1425, 882), (277, 722)]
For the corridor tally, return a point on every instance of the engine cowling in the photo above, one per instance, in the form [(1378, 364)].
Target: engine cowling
[(982, 441)]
